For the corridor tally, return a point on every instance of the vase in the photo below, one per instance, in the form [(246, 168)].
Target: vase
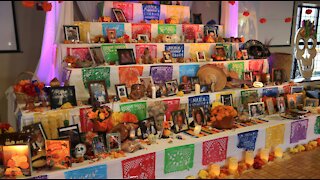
[(30, 103)]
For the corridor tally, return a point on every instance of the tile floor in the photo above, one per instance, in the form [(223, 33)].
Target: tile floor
[(303, 165)]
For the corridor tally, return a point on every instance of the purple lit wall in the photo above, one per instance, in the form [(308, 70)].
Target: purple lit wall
[(229, 18)]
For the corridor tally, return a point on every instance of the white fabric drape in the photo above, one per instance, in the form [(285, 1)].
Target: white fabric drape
[(89, 9)]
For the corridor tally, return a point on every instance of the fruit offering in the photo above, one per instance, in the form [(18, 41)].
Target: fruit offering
[(221, 111)]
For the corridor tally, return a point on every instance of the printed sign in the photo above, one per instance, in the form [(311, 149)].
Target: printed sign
[(247, 140), (270, 92), (161, 74), (177, 50), (168, 29), (214, 150), (110, 53), (138, 108), (298, 130), (141, 167), (151, 11), (126, 7), (172, 105), (96, 74), (178, 158), (199, 101), (188, 70), (119, 27), (92, 172)]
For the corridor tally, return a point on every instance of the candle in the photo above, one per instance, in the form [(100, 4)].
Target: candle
[(154, 92), (132, 134), (88, 37), (197, 88), (197, 129), (249, 157), (233, 165), (214, 169), (264, 154), (278, 153)]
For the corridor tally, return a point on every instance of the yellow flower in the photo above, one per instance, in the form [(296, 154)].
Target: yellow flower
[(102, 116), (93, 115)]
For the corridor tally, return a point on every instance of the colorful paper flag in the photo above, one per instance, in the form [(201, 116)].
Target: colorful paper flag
[(140, 167), (168, 29), (247, 140), (275, 135), (110, 53), (119, 27), (151, 11), (144, 29), (92, 172), (126, 7), (178, 158), (172, 105), (188, 70), (137, 108), (96, 74), (238, 67), (129, 75), (317, 126), (161, 74), (298, 130), (214, 150)]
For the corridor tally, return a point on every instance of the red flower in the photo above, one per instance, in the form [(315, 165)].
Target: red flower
[(287, 20), (246, 13), (46, 6), (308, 11), (232, 2), (28, 4), (60, 1), (263, 20)]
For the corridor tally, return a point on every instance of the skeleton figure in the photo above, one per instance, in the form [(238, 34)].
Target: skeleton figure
[(305, 53), (80, 150)]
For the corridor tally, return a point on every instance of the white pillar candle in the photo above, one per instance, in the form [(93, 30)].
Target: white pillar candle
[(88, 37), (197, 129), (197, 88), (233, 165), (264, 154), (278, 153), (154, 92), (132, 134), (249, 157)]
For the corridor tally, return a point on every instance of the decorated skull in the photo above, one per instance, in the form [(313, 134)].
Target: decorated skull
[(80, 150), (305, 48)]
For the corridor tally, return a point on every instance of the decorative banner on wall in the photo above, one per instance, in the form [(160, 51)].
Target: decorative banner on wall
[(129, 75), (151, 11), (199, 47), (161, 74), (247, 140), (140, 167), (298, 130), (256, 66), (85, 123), (119, 27), (317, 126), (140, 50), (126, 7), (214, 150), (237, 67), (188, 70), (110, 53), (176, 11), (177, 50), (84, 27), (270, 92), (39, 177), (137, 108), (82, 53), (168, 29), (96, 74), (141, 29), (178, 158), (199, 101), (275, 135), (190, 31), (92, 172), (172, 105)]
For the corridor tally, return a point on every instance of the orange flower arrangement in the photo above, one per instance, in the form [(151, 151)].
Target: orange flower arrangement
[(221, 111)]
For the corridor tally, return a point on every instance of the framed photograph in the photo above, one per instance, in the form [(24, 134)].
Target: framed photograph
[(292, 101), (113, 141), (194, 80), (71, 33), (199, 118), (112, 35), (98, 92), (220, 51), (146, 127), (277, 75), (97, 56), (180, 121), (296, 89), (98, 145), (60, 95), (256, 109), (270, 106), (281, 104), (247, 76), (245, 54), (167, 56), (226, 99), (146, 81), (143, 37), (16, 163), (72, 132), (38, 137), (299, 98), (201, 56), (118, 13), (172, 87), (122, 91), (126, 56), (311, 102), (58, 152), (204, 88)]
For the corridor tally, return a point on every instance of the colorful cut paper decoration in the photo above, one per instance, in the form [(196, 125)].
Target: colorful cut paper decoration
[(237, 67), (317, 126), (214, 150), (175, 11), (80, 53), (161, 74), (190, 30), (298, 130), (199, 47), (172, 105), (168, 29), (270, 92), (140, 167), (177, 50), (188, 70), (151, 11), (263, 20), (199, 101), (247, 140), (119, 27), (126, 7), (178, 158), (110, 53), (96, 74), (140, 50), (141, 29), (287, 20), (92, 172), (246, 13), (256, 66), (137, 108), (86, 124), (129, 75), (308, 11), (275, 135)]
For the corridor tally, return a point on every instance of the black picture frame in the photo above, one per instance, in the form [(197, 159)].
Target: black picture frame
[(204, 88), (72, 132), (246, 74), (172, 87), (119, 15), (256, 112), (97, 55), (226, 99), (143, 132), (71, 36), (95, 94), (113, 142), (126, 56), (123, 93), (277, 75), (36, 133), (66, 93), (176, 125)]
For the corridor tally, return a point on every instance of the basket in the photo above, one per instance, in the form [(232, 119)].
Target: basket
[(226, 123), (21, 98)]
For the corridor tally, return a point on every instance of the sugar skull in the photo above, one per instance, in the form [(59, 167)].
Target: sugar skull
[(80, 150), (305, 48)]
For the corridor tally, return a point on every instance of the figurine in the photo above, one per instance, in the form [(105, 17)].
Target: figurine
[(79, 152), (146, 57)]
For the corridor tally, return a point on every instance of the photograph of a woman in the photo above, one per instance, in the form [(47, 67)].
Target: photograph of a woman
[(198, 117)]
